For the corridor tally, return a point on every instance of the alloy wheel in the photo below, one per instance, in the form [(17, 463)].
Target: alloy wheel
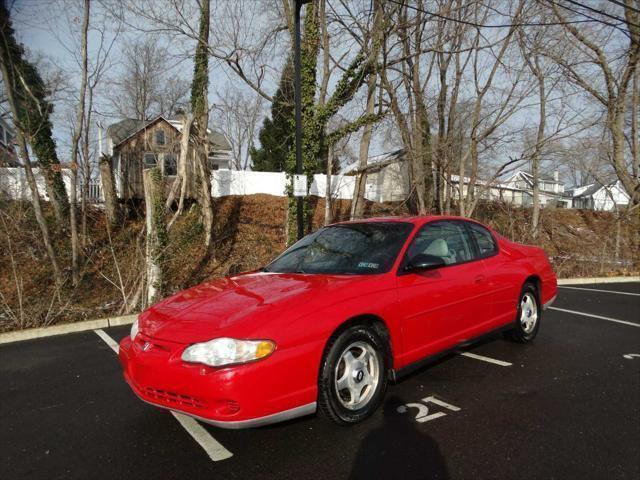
[(357, 374)]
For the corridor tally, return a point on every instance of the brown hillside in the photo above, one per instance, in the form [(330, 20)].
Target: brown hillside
[(249, 231)]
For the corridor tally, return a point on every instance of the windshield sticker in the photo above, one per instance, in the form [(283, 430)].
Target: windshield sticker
[(368, 265)]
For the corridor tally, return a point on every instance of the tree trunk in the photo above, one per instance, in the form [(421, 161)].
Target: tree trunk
[(181, 183), (358, 202), (535, 158), (328, 205), (111, 207), (37, 208), (156, 233), (206, 204), (75, 141), (33, 186), (616, 127), (86, 165), (635, 149), (199, 106)]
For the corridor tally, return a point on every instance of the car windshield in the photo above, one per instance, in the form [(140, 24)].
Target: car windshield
[(350, 248)]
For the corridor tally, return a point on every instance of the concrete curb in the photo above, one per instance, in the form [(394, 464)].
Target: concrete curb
[(597, 280), (32, 333)]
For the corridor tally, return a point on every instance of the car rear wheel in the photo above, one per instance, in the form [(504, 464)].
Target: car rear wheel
[(353, 378), (528, 317)]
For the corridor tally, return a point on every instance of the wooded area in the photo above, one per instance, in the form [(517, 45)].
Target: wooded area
[(469, 91)]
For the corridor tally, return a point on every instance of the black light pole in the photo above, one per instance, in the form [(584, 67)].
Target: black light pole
[(298, 110)]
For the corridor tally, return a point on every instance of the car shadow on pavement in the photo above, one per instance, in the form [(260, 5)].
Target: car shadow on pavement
[(398, 449)]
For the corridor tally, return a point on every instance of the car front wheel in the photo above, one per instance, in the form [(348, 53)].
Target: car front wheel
[(353, 379)]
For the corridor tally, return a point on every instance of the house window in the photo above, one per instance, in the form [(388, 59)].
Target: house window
[(150, 160), (160, 140), (170, 164)]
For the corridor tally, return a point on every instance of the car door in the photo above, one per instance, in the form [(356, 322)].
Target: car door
[(499, 273), (441, 307)]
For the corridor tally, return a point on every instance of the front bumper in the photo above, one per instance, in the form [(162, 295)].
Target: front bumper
[(238, 397)]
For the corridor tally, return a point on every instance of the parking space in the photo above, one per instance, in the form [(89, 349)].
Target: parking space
[(566, 406)]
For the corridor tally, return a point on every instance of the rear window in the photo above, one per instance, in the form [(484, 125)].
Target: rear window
[(485, 241)]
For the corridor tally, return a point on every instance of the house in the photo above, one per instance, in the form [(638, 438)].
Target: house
[(388, 177), (8, 155), (596, 196), (134, 145), (551, 189)]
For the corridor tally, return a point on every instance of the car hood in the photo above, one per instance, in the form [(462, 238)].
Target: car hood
[(243, 306)]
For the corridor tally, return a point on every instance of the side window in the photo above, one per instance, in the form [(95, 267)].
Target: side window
[(447, 240), (160, 137), (170, 164), (484, 240), (150, 160)]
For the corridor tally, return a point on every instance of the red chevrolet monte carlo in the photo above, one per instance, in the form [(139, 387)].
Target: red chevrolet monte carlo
[(332, 319)]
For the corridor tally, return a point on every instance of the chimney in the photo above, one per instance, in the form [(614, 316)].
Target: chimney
[(556, 175)]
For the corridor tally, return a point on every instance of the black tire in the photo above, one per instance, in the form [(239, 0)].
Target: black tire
[(331, 401), (522, 332)]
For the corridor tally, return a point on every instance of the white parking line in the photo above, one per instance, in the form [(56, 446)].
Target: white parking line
[(485, 359), (108, 340), (211, 446), (600, 290), (214, 449), (600, 317)]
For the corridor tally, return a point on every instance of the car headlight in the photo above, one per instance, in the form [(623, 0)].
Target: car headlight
[(227, 351), (134, 330)]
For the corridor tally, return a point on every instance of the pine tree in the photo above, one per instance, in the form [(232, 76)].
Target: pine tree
[(34, 113), (277, 133)]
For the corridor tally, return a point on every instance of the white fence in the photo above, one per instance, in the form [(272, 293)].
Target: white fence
[(13, 183), (244, 182)]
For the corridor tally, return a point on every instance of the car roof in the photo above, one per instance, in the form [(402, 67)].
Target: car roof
[(415, 219)]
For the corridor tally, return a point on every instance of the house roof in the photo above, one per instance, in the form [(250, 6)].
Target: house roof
[(591, 189), (375, 164), (123, 130), (5, 124), (528, 177)]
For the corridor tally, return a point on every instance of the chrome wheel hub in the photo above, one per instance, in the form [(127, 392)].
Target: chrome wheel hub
[(528, 313), (357, 375)]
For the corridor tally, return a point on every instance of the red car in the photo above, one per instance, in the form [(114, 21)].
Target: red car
[(330, 321)]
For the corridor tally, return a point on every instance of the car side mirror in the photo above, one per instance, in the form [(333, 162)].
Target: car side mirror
[(423, 261)]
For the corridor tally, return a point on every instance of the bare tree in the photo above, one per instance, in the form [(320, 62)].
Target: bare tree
[(237, 115), (605, 75), (75, 141), (34, 109), (9, 78), (144, 88), (156, 233), (200, 109)]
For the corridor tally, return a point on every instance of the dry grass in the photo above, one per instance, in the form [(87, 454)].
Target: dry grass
[(249, 231)]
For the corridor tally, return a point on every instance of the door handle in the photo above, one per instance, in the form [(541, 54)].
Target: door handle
[(480, 279)]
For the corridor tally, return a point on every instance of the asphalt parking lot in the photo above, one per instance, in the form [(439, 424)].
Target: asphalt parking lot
[(566, 406)]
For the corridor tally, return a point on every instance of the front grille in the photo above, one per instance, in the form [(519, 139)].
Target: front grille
[(173, 398)]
